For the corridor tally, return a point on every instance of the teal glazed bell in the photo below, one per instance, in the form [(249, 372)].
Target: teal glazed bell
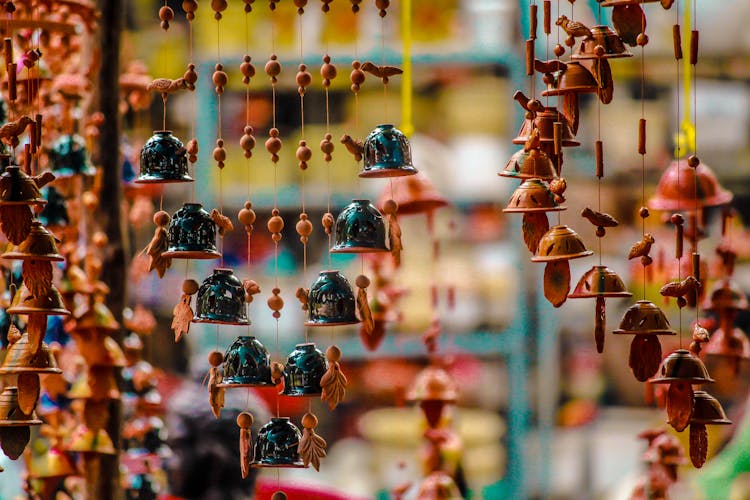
[(331, 301), (304, 368), (360, 228), (221, 299), (276, 445), (387, 153), (246, 364), (55, 213), (191, 234), (68, 156), (163, 159)]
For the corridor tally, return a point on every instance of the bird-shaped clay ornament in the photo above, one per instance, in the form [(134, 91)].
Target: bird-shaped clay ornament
[(641, 248), (599, 219), (573, 28)]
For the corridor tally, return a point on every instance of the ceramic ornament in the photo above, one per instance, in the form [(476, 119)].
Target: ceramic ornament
[(333, 382), (19, 193), (246, 363), (182, 314), (645, 321), (277, 445), (706, 411), (311, 447), (245, 422), (159, 244), (215, 392)]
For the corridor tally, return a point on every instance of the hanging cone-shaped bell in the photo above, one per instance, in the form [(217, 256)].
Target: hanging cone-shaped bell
[(95, 316), (49, 463), (433, 389), (387, 153), (10, 412), (529, 165), (604, 37), (40, 244), (276, 445), (191, 234), (707, 410), (644, 318), (726, 294), (246, 364), (533, 195), (20, 359), (677, 188), (600, 281), (85, 440), (544, 122), (221, 300), (574, 79), (732, 344), (360, 228), (96, 383), (68, 156), (560, 243), (304, 368), (682, 365), (163, 159), (414, 194), (50, 304), (331, 301), (18, 188)]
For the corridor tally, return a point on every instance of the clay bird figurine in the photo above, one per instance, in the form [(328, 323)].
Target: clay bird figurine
[(251, 288), (43, 179), (641, 248), (223, 222), (382, 72), (166, 86), (680, 288), (573, 28), (599, 219), (355, 147), (558, 186), (700, 336), (10, 131), (303, 295)]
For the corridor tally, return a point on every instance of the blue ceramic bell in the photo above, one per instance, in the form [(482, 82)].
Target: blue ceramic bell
[(387, 153), (163, 159), (68, 156), (55, 213), (276, 445), (221, 299), (331, 301), (191, 234), (304, 368), (246, 364), (360, 228)]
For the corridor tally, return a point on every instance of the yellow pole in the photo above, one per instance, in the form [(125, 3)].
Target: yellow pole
[(407, 82)]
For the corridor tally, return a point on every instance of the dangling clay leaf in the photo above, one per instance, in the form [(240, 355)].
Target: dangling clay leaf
[(698, 444), (13, 440), (215, 393), (333, 382), (372, 340), (36, 327), (603, 74), (246, 455), (533, 226), (15, 222), (311, 447), (557, 282), (600, 319), (37, 276), (570, 110), (182, 316), (433, 410), (155, 248), (363, 305), (679, 405), (629, 21), (645, 356), (28, 392), (394, 235)]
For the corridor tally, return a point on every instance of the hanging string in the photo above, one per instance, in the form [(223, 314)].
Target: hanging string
[(676, 217), (643, 213)]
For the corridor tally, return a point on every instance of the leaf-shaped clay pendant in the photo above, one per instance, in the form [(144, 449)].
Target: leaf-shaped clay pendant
[(600, 323), (13, 440), (28, 392), (645, 356), (679, 404), (534, 225), (698, 444), (557, 282)]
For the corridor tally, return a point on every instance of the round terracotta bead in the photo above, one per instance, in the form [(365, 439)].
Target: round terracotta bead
[(333, 354), (161, 218), (215, 358)]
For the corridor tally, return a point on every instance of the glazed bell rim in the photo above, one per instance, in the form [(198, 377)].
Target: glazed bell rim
[(553, 258), (192, 254)]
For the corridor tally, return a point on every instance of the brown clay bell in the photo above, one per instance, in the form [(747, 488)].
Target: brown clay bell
[(544, 121), (732, 343), (604, 43), (531, 164), (10, 411), (19, 188), (560, 243), (726, 294), (50, 304), (707, 410), (677, 188), (682, 366), (415, 194), (644, 318), (600, 281), (574, 79), (40, 244), (533, 195), (20, 359), (433, 389)]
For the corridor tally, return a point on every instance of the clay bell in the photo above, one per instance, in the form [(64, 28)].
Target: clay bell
[(574, 79), (246, 364), (331, 301), (644, 318), (726, 294), (677, 188), (531, 164), (387, 153), (191, 234), (433, 389), (85, 440), (276, 445), (20, 359), (95, 316), (40, 244), (544, 122), (414, 194), (97, 383), (11, 414), (604, 43), (600, 281), (18, 188), (304, 368), (533, 195), (68, 156), (732, 343), (50, 304), (163, 159), (221, 299), (49, 463), (682, 365), (560, 243), (360, 228), (707, 410)]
